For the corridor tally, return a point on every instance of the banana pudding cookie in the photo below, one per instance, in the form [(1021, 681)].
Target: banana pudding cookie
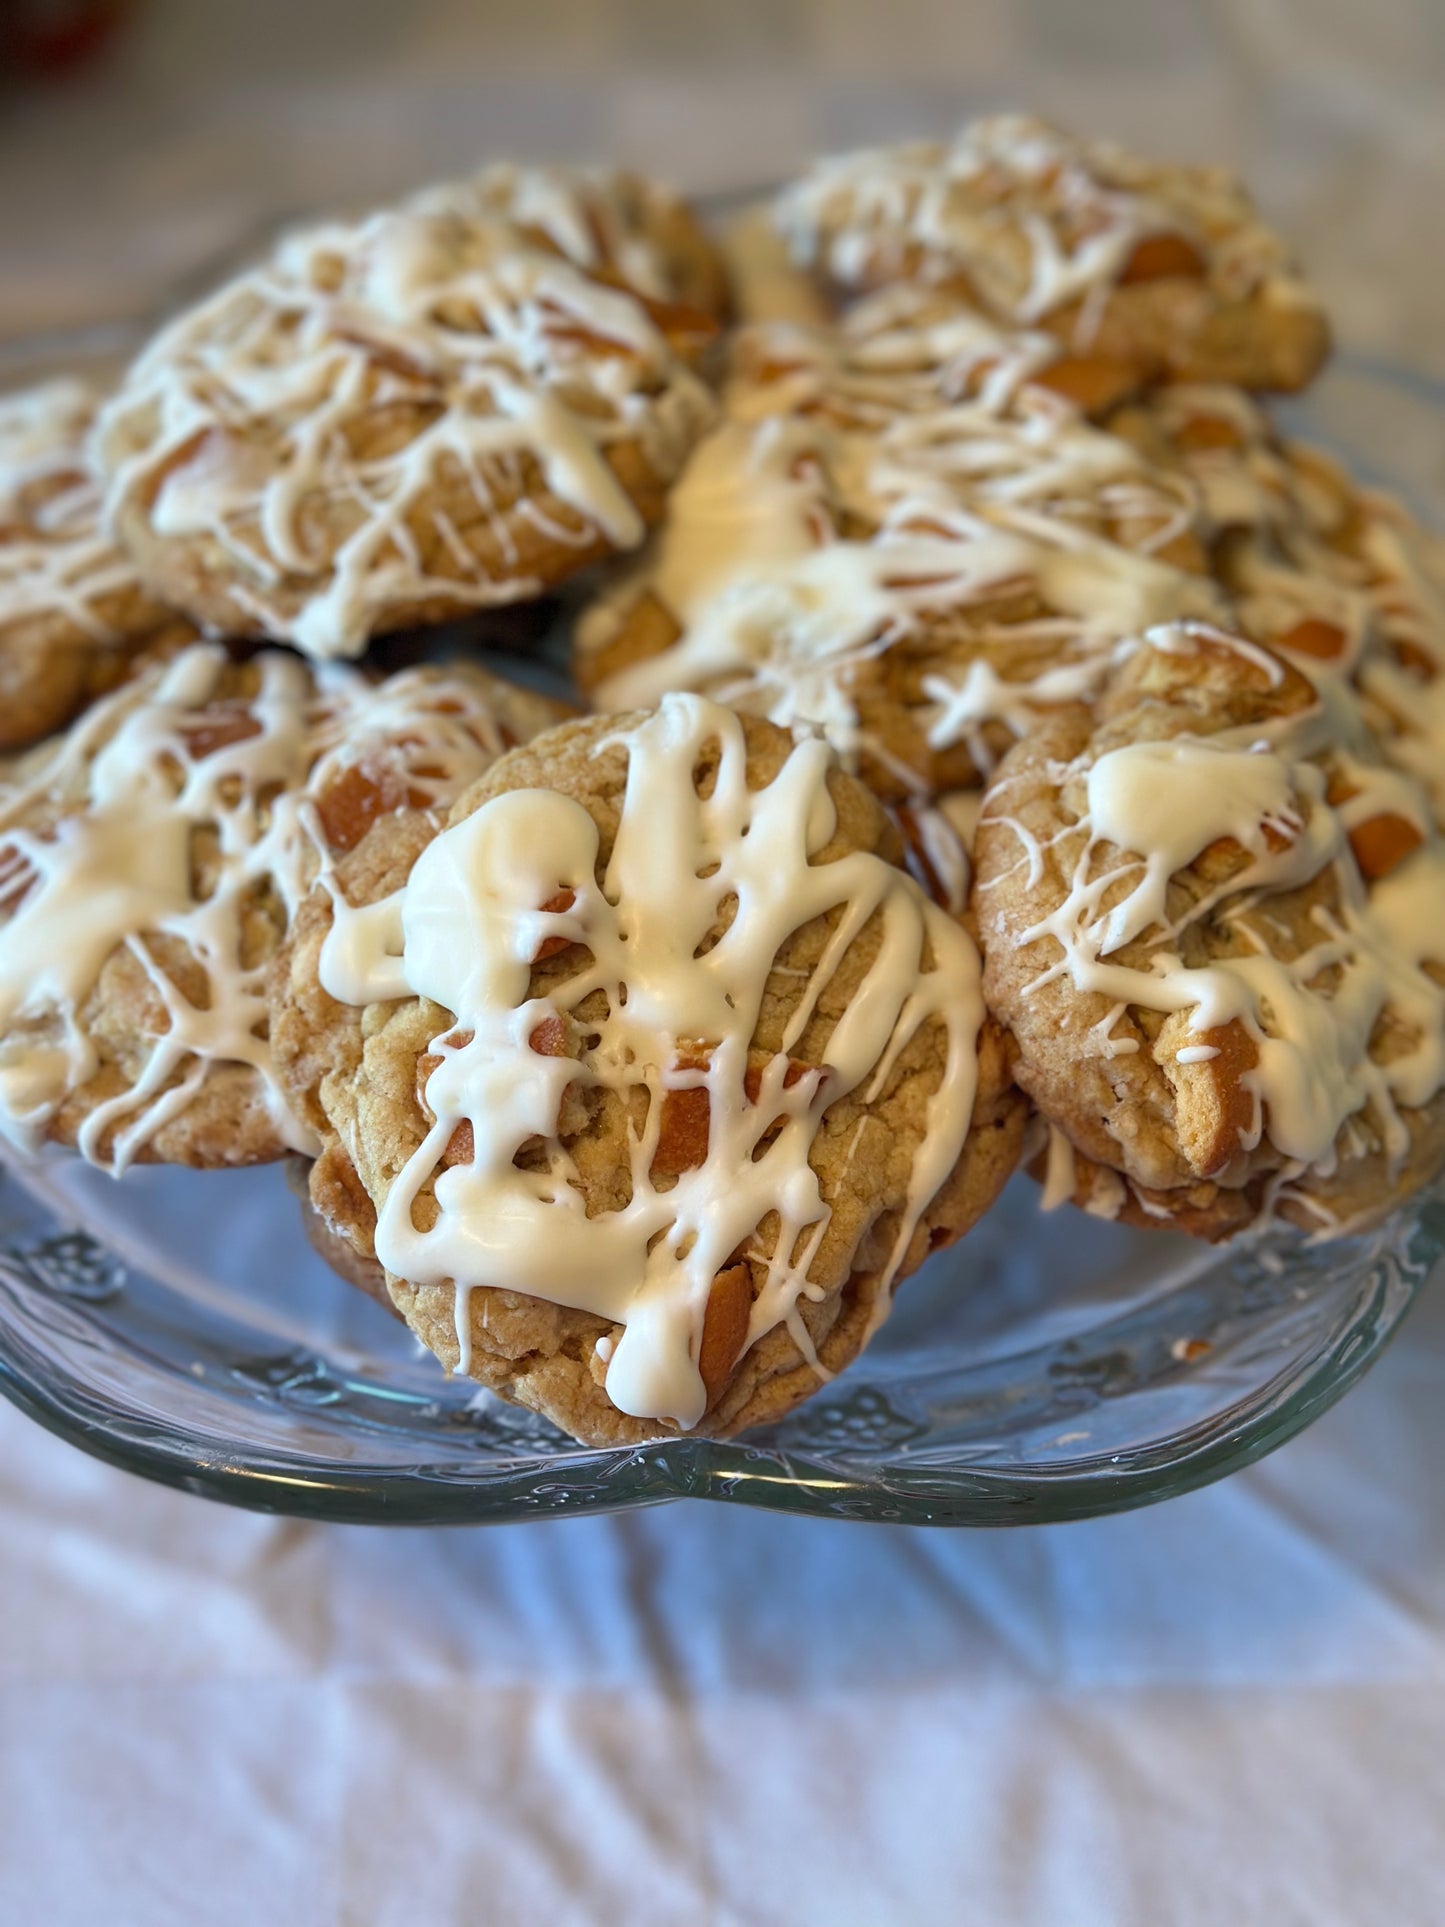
[(615, 225), (73, 614), (1158, 269), (900, 535), (389, 423), (150, 861), (667, 1076), (1211, 920)]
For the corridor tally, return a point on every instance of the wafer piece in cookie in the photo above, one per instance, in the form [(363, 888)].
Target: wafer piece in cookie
[(1164, 269), (615, 225), (670, 1073), (73, 614), (898, 533), (150, 861), (389, 423), (1210, 918)]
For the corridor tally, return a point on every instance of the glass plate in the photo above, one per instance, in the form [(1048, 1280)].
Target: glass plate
[(1046, 1368)]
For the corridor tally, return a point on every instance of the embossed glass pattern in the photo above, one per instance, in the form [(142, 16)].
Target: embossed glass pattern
[(1045, 1369)]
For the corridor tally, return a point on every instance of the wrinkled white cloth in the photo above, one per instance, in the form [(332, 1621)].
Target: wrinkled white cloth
[(1229, 1709)]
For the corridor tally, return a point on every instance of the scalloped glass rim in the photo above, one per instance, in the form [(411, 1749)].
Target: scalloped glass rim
[(1168, 1367), (98, 1354)]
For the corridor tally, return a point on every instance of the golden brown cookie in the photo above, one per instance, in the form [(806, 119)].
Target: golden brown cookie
[(909, 351), (767, 285), (900, 533), (1210, 919), (73, 615), (1346, 1201), (700, 1076), (1164, 269), (1340, 579), (390, 423), (150, 861), (615, 225), (346, 1256)]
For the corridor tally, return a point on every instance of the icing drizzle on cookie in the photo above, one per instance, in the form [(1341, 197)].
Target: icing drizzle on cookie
[(855, 506), (1295, 1018), (679, 1019), (312, 418), (1030, 217), (55, 558), (600, 219), (1338, 579), (181, 827)]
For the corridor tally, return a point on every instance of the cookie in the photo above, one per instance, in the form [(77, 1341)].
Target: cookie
[(671, 1073), (390, 423), (616, 226), (1210, 919), (1340, 579), (767, 285), (73, 614), (1167, 270), (926, 349), (899, 534), (345, 1257), (150, 860)]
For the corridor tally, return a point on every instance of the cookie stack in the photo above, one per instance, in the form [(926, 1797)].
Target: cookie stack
[(1004, 745)]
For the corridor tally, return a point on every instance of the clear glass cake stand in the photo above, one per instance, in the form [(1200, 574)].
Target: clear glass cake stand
[(1047, 1368)]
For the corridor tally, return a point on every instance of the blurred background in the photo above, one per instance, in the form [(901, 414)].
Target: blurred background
[(141, 139)]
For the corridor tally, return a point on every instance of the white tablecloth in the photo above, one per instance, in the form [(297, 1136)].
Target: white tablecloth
[(1226, 1711), (1230, 1709)]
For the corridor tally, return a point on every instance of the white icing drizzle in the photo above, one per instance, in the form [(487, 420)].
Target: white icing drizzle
[(599, 219), (55, 558), (238, 422), (361, 953), (1203, 793), (1245, 481), (971, 485), (1323, 555), (1031, 217), (1311, 1008), (97, 851), (676, 1019), (764, 283), (938, 840)]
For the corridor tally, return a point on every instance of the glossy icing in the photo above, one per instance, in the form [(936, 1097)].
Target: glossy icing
[(681, 1015)]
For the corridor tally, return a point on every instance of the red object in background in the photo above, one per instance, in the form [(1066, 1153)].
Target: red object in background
[(48, 38)]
